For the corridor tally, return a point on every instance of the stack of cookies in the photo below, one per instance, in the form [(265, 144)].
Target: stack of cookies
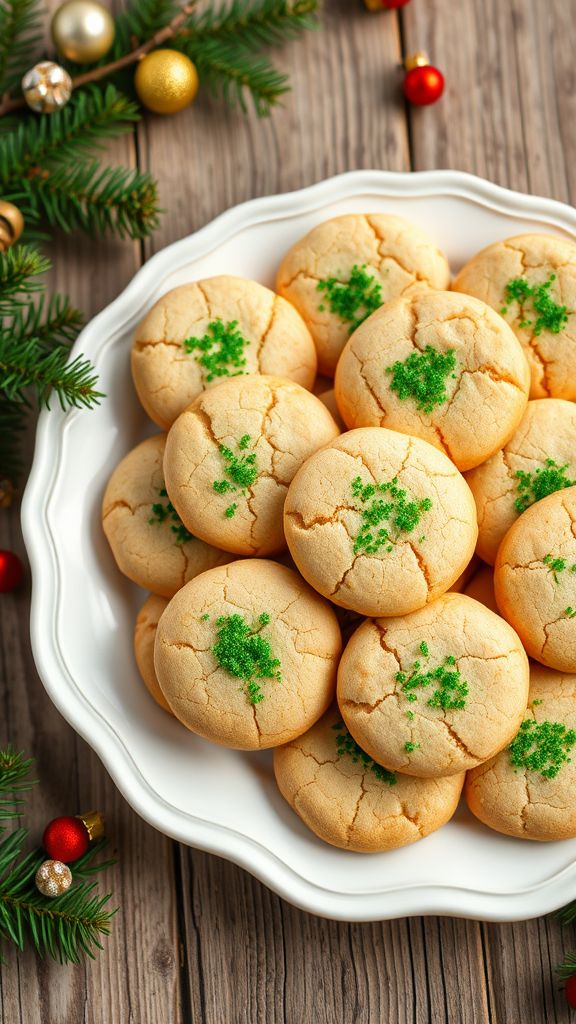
[(376, 574)]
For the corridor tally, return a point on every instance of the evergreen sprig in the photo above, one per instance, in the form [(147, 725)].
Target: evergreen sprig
[(568, 967), (20, 35)]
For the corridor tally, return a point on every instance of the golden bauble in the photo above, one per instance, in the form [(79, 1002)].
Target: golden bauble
[(11, 227), (53, 878), (166, 81), (82, 30), (46, 87)]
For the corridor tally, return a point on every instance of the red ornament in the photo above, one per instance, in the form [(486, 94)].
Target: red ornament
[(392, 4), (11, 571), (65, 839), (423, 84), (570, 991)]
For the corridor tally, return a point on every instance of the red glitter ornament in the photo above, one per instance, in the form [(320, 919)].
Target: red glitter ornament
[(385, 5), (570, 991), (423, 84), (65, 839), (11, 571)]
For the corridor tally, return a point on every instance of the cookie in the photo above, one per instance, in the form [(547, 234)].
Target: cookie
[(481, 588), (527, 791), (539, 458), (246, 655), (347, 267), (144, 636), (328, 398), (535, 580), (531, 281), (436, 692), (199, 334), (231, 456), (150, 543), (380, 523), (440, 366), (349, 801)]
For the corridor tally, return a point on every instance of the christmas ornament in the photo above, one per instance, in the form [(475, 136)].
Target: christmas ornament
[(423, 84), (11, 571), (46, 87), (65, 839), (11, 227), (385, 5), (7, 490), (570, 991), (166, 81), (53, 878), (82, 30)]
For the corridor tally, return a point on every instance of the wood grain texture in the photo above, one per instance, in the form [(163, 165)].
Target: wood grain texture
[(198, 940)]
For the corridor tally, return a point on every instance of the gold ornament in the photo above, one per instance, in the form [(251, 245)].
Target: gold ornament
[(53, 878), (416, 60), (373, 5), (7, 491), (94, 824), (166, 81), (46, 87), (82, 30), (11, 227)]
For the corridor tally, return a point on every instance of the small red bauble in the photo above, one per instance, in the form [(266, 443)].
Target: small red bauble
[(66, 839), (391, 4), (11, 571), (570, 991), (423, 84)]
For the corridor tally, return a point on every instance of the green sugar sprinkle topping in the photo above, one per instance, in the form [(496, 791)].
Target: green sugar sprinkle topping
[(543, 481), (162, 513), (570, 612), (557, 565), (550, 315), (536, 702), (542, 747), (409, 747), (400, 515), (450, 690), (422, 376), (220, 352), (410, 716), (245, 654), (346, 746), (353, 301), (240, 472)]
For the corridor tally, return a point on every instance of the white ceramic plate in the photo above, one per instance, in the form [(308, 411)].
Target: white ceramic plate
[(83, 611)]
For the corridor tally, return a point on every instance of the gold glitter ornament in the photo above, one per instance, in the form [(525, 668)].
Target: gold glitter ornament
[(46, 87), (11, 224), (53, 878), (82, 30), (166, 81)]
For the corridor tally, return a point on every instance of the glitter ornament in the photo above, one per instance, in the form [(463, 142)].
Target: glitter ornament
[(385, 5), (570, 991), (68, 838), (82, 30), (11, 571), (423, 84), (166, 81), (11, 227), (47, 87), (53, 878)]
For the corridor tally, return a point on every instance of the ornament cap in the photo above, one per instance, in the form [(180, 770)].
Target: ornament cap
[(416, 60), (94, 824)]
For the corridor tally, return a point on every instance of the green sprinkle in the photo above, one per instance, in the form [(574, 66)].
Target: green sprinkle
[(536, 702), (555, 565), (409, 747), (381, 515), (231, 510), (537, 485), (205, 617), (542, 747), (410, 716), (450, 691), (551, 316), (220, 350), (346, 746), (353, 300), (244, 442), (162, 513), (424, 649), (422, 377), (569, 612), (245, 654), (241, 472)]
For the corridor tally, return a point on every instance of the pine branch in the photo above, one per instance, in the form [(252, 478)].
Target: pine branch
[(568, 914), (55, 322), (19, 266), (251, 22), (568, 968), (139, 22), (20, 34), (14, 772), (13, 416), (231, 70), (25, 364)]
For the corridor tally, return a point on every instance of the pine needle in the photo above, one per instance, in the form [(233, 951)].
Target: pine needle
[(14, 772), (568, 968), (20, 35)]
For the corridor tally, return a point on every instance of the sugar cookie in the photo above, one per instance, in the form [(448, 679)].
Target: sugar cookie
[(231, 456), (345, 268), (246, 655), (436, 692), (144, 636), (348, 800), (380, 523), (440, 366), (201, 333)]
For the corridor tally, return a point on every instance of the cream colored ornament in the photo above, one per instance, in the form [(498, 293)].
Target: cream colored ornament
[(46, 87), (53, 878), (82, 30), (166, 81)]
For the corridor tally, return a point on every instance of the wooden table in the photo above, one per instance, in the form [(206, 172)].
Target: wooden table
[(197, 938)]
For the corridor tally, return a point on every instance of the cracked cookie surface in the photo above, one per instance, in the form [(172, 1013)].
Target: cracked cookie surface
[(436, 692), (535, 579), (296, 628), (231, 456), (328, 525), (534, 258), (144, 636), (440, 366), (547, 431), (398, 256), (269, 337), (146, 547), (346, 804), (518, 800)]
